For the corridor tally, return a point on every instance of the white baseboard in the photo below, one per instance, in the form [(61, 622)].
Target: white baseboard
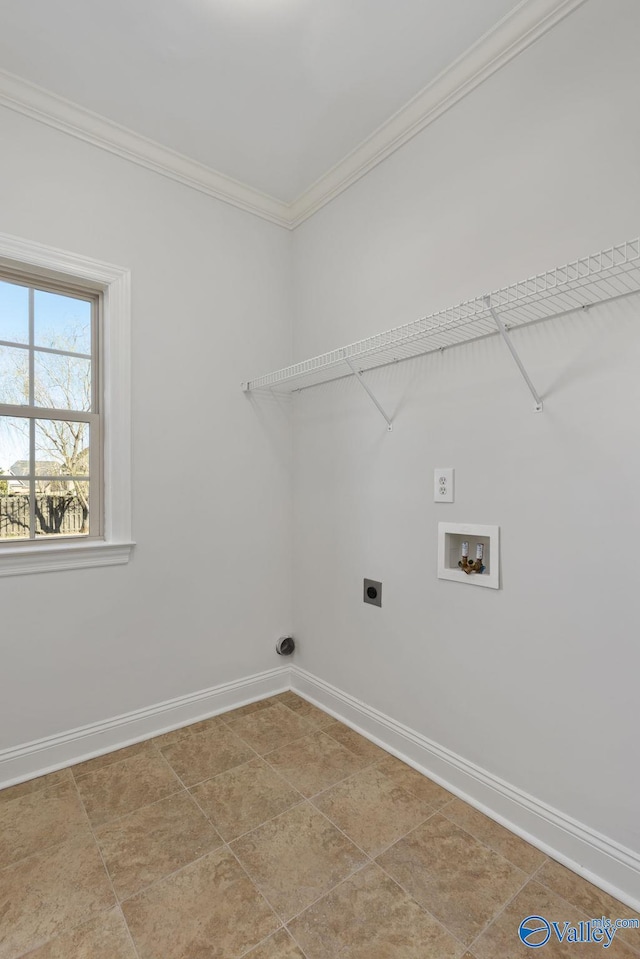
[(55, 752), (600, 860)]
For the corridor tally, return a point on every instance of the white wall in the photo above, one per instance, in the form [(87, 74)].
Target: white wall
[(207, 591), (537, 682)]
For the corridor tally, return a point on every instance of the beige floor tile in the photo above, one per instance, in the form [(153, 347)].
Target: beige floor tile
[(34, 785), (125, 786), (176, 735), (315, 763), (108, 759), (415, 782), (207, 754), (501, 940), (248, 709), (242, 798), (370, 917), (317, 717), (40, 819), (155, 841), (372, 810), (516, 850), (278, 946), (56, 889), (290, 699), (266, 729), (209, 910), (458, 879), (354, 742), (173, 736), (106, 937), (207, 725), (588, 898), (297, 857)]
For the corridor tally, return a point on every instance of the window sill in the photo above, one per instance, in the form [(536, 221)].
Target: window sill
[(15, 561)]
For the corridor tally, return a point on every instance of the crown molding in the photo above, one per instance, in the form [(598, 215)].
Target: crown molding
[(529, 21), (39, 104)]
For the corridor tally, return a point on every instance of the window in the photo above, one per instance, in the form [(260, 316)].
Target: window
[(64, 410), (50, 425)]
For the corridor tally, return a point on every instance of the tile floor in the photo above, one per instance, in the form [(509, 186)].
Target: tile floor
[(271, 832)]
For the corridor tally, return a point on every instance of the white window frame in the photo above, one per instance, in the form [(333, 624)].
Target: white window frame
[(115, 545)]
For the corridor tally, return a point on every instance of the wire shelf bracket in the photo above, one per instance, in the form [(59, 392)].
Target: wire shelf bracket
[(507, 339), (359, 378), (609, 275)]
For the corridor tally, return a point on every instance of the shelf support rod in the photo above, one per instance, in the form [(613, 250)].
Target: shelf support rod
[(358, 376), (514, 353)]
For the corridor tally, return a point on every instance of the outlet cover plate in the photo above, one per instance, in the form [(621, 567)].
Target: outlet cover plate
[(443, 484), (372, 592)]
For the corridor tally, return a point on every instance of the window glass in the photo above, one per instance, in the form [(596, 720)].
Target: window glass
[(62, 322), (14, 312), (45, 476)]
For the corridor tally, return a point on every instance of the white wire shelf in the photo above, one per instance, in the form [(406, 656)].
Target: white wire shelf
[(586, 282)]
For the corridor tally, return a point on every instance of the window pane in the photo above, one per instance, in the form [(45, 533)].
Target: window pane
[(64, 511), (14, 451), (14, 515), (14, 312), (62, 382), (14, 375), (62, 448), (62, 322)]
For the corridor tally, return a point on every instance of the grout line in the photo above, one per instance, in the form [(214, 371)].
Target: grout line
[(156, 802), (92, 772), (261, 943), (227, 842), (34, 792), (215, 776), (44, 847), (539, 869), (371, 765), (499, 913), (352, 841), (296, 942), (422, 907), (178, 788), (327, 892), (161, 878), (487, 845), (527, 879), (129, 933), (107, 873), (258, 890), (635, 949), (72, 840), (331, 785), (169, 875), (306, 735)]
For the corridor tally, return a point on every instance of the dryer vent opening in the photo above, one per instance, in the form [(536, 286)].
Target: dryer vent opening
[(285, 646)]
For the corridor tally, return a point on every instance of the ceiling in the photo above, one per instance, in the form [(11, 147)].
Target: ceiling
[(271, 93)]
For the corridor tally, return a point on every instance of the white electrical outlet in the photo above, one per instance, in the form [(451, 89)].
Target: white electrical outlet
[(443, 484)]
